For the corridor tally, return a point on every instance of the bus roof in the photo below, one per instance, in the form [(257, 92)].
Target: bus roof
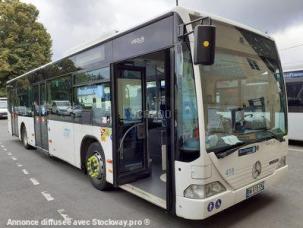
[(179, 10), (293, 68)]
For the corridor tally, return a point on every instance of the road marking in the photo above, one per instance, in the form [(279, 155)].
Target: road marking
[(296, 150), (34, 181), (2, 146), (9, 153), (14, 158), (47, 196), (63, 214), (25, 171), (19, 165), (4, 149)]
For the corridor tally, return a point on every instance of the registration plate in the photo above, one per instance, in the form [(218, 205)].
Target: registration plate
[(253, 190)]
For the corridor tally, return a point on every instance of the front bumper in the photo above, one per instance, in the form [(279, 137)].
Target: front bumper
[(3, 115), (198, 208)]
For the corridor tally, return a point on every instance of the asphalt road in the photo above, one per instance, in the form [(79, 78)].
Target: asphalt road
[(36, 187)]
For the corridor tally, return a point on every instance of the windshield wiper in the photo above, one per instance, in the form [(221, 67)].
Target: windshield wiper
[(227, 150), (273, 135)]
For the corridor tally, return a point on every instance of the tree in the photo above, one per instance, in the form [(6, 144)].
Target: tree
[(24, 43)]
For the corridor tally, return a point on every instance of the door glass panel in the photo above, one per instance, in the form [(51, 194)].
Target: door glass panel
[(14, 113), (43, 105), (40, 113), (131, 125), (37, 111), (130, 96), (36, 100), (43, 120)]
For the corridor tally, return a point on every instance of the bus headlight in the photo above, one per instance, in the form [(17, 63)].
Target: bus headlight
[(195, 191), (282, 162)]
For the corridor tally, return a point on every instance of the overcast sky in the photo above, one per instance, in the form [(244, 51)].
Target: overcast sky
[(73, 22)]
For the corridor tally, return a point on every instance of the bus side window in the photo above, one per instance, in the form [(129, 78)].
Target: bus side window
[(295, 96), (92, 104), (59, 99)]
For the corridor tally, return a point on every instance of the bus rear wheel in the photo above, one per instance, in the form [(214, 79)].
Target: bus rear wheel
[(96, 167), (24, 138)]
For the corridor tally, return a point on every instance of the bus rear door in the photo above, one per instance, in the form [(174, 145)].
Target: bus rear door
[(40, 115), (14, 112)]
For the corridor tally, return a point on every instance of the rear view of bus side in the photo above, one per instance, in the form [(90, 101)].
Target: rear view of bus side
[(185, 111)]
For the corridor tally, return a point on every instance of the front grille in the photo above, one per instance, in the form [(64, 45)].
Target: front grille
[(243, 176)]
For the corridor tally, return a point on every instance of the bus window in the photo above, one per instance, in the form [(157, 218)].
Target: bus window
[(295, 96), (59, 99), (25, 104), (102, 74), (188, 143), (92, 104)]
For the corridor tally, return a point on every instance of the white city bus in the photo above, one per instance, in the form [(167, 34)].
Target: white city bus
[(294, 87), (186, 111)]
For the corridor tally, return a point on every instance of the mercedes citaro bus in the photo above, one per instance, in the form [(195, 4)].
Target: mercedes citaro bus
[(186, 111)]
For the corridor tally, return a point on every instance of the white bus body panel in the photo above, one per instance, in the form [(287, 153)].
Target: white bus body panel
[(197, 208), (30, 128), (61, 141), (65, 142), (295, 126), (235, 182)]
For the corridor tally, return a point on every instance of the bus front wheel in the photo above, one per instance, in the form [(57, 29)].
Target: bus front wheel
[(96, 167)]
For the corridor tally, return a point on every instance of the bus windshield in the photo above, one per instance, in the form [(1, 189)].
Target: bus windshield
[(243, 91)]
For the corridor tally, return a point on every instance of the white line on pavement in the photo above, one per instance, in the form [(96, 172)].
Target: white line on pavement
[(4, 149), (9, 153), (19, 165), (14, 158), (63, 214), (2, 146), (47, 196), (34, 181), (25, 171)]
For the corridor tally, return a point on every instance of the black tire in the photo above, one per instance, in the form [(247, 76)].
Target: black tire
[(24, 138), (95, 165)]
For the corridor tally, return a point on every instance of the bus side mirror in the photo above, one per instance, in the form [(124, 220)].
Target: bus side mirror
[(205, 43)]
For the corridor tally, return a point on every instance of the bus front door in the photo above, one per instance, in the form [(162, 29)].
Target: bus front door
[(130, 125), (41, 113)]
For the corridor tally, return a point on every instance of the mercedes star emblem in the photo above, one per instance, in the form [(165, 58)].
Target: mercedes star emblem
[(257, 168)]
